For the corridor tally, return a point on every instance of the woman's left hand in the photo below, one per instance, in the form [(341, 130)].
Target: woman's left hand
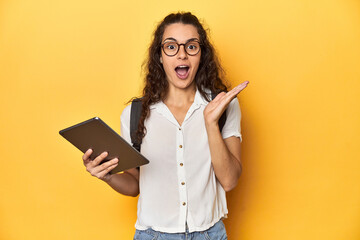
[(217, 106)]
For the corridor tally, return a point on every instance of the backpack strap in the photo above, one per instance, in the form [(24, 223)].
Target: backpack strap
[(222, 119), (135, 114)]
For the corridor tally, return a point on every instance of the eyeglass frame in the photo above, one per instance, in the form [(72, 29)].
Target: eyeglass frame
[(181, 44)]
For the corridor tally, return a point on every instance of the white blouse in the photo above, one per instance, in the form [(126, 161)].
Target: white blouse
[(179, 186)]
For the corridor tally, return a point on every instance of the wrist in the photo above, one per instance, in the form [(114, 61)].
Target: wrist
[(107, 178), (212, 125)]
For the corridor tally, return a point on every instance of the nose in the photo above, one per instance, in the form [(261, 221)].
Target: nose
[(182, 53)]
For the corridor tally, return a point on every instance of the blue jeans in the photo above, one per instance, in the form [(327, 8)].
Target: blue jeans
[(216, 232)]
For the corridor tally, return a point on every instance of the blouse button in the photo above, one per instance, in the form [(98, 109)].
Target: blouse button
[(180, 146), (181, 164), (184, 203), (182, 183), (179, 129)]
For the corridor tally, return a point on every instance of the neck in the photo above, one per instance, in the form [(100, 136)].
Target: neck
[(180, 97)]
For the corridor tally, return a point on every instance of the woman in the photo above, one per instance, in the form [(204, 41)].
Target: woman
[(192, 164)]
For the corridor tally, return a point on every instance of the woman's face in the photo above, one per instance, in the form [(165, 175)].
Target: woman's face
[(181, 68)]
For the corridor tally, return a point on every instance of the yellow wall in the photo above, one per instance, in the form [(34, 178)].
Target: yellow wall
[(62, 62)]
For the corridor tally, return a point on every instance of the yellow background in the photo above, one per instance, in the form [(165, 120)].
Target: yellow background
[(62, 62)]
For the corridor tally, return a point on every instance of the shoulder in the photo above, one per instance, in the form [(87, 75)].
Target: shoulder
[(233, 117), (234, 103), (125, 115), (233, 108), (126, 111)]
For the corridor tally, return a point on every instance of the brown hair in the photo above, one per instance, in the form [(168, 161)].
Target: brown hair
[(156, 85)]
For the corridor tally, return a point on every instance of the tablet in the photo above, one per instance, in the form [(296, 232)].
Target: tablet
[(97, 135)]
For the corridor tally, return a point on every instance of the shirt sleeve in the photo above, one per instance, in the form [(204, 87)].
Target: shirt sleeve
[(125, 124), (233, 117)]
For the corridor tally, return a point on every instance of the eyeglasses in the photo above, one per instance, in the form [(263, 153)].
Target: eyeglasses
[(171, 48)]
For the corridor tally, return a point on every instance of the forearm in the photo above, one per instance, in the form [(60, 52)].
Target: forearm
[(227, 167), (124, 183)]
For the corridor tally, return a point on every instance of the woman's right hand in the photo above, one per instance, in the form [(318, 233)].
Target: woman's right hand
[(96, 169)]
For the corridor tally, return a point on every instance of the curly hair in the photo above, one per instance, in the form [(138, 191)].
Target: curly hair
[(208, 75)]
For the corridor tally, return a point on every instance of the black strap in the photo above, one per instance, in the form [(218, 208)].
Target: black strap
[(135, 114)]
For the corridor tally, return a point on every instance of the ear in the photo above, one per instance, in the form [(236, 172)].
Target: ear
[(161, 61)]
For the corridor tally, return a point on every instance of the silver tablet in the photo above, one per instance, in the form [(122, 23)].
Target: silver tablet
[(97, 135)]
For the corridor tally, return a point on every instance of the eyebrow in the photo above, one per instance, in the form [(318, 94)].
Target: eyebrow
[(173, 39)]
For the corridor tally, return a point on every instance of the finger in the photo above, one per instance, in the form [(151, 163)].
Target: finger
[(104, 172), (219, 96), (86, 156), (105, 165), (99, 159), (236, 90), (225, 100), (241, 86), (107, 170)]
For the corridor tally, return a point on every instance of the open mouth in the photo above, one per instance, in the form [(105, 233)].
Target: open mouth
[(182, 71)]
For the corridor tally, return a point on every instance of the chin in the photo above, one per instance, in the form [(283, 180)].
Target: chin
[(184, 84)]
